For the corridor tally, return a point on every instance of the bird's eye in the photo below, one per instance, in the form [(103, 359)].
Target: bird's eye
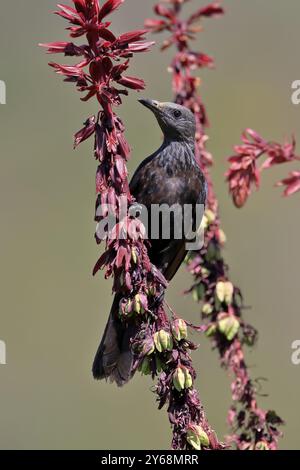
[(177, 113)]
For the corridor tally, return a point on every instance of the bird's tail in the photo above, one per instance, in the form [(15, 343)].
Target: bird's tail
[(114, 358)]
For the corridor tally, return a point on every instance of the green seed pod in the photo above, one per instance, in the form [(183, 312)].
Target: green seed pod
[(145, 368), (163, 341), (211, 331), (229, 326), (207, 309), (179, 379), (188, 378), (134, 256), (179, 329), (193, 439)]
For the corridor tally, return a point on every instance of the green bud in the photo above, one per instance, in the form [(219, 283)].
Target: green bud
[(159, 364), (204, 223), (261, 445), (152, 291), (188, 378), (137, 305), (148, 348), (204, 439), (179, 379), (220, 291), (212, 252), (222, 237), (198, 292), (128, 309), (163, 341), (211, 217), (228, 292), (179, 329), (224, 292), (207, 309), (197, 437), (134, 255), (193, 440), (145, 368), (211, 330), (229, 326), (205, 272), (188, 257)]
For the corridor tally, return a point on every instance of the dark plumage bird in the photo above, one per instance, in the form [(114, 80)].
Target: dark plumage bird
[(169, 176)]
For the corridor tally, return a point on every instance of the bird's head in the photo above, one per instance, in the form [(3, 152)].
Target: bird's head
[(176, 122)]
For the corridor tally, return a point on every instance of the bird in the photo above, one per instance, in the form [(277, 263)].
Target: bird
[(171, 175)]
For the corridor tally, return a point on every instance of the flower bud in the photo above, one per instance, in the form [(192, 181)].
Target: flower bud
[(204, 223), (179, 379), (179, 329), (182, 378), (220, 291), (126, 308), (222, 237), (193, 439), (262, 445), (198, 292), (151, 291), (207, 309), (144, 367), (139, 303), (134, 255), (148, 347), (228, 325), (188, 378), (224, 292), (163, 341), (205, 272), (211, 330), (213, 252), (197, 437), (211, 217), (228, 292)]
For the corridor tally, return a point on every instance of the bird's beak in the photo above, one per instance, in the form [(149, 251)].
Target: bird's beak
[(153, 105)]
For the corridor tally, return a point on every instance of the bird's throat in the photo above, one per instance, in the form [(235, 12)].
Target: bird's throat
[(177, 156)]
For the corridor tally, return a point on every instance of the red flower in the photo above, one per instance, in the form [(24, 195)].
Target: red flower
[(109, 7), (243, 172), (103, 47), (214, 9), (132, 82), (68, 48), (278, 154), (292, 183), (155, 25), (86, 131), (161, 10)]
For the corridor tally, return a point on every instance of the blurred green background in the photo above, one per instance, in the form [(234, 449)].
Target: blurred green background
[(52, 309)]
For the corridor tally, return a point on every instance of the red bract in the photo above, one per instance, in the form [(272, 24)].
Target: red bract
[(292, 183), (96, 75), (109, 7), (181, 31), (243, 173), (214, 9), (278, 154)]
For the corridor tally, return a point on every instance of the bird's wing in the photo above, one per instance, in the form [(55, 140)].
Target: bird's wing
[(150, 186)]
